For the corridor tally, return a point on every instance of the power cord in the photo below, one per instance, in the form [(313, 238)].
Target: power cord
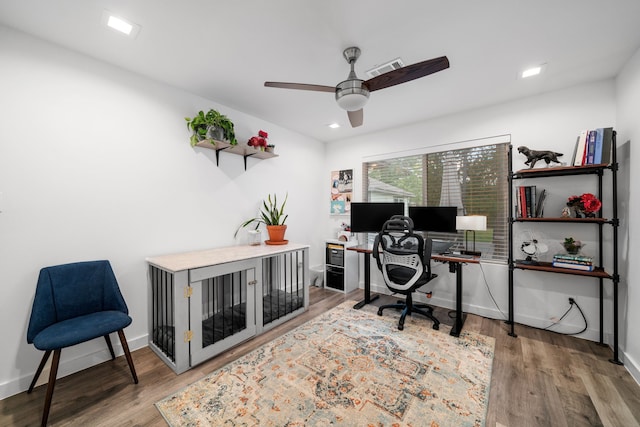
[(452, 313), (572, 302), (504, 317)]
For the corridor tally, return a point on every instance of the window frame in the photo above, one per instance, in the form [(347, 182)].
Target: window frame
[(499, 216)]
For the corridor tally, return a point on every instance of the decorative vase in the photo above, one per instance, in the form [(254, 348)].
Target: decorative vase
[(276, 234), (255, 237)]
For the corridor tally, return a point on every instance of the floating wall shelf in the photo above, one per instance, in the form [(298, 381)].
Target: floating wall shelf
[(241, 150)]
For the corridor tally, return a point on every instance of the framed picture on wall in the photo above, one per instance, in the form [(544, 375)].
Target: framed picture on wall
[(341, 191)]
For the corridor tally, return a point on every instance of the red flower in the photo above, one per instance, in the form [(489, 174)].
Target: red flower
[(590, 202), (587, 202), (263, 134)]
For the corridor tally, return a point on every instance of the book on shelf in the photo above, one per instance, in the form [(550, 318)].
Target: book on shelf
[(581, 267), (573, 258), (523, 203), (574, 262), (607, 141), (593, 147), (597, 157), (529, 201), (539, 213), (580, 148)]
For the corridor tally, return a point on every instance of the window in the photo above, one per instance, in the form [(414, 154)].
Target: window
[(475, 179)]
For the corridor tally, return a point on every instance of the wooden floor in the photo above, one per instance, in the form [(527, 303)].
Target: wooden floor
[(539, 379)]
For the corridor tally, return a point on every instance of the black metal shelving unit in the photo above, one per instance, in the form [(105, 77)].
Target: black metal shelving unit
[(598, 273)]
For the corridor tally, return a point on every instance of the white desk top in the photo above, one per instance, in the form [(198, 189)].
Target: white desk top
[(207, 257)]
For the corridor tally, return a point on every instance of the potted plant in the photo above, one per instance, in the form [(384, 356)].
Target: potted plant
[(572, 246), (204, 126), (259, 142), (273, 217)]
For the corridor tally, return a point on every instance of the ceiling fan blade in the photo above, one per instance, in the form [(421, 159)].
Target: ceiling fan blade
[(408, 73), (356, 117), (301, 86)]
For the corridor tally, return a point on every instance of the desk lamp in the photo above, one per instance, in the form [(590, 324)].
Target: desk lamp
[(471, 223)]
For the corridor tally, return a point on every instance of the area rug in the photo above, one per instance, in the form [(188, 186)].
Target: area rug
[(350, 368)]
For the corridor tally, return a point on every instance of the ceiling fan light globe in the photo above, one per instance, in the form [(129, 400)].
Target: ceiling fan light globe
[(351, 95)]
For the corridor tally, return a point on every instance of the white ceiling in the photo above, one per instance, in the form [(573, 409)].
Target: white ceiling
[(224, 50)]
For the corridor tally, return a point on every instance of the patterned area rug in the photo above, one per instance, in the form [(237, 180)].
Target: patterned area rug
[(347, 367)]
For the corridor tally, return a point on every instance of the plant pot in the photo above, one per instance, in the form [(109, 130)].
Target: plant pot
[(276, 234), (215, 132), (573, 249)]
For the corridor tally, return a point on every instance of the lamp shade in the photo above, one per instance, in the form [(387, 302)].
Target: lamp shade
[(471, 222)]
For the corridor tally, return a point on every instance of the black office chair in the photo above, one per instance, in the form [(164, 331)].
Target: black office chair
[(405, 261)]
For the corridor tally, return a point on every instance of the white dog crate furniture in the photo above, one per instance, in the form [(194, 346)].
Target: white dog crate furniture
[(205, 302)]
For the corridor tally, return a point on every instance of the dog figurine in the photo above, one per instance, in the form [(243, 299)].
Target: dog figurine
[(533, 156)]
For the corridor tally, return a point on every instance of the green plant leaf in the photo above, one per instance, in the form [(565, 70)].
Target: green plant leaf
[(270, 213)]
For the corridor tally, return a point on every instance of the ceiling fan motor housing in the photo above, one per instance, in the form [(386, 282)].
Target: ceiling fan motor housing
[(352, 95)]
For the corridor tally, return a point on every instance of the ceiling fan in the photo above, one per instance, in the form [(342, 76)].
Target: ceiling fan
[(353, 93)]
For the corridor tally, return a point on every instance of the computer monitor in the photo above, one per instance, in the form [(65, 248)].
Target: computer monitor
[(440, 219), (369, 217)]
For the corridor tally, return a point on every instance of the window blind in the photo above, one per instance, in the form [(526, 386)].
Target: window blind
[(474, 179)]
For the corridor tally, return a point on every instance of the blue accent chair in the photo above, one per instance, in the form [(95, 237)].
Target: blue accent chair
[(75, 303)]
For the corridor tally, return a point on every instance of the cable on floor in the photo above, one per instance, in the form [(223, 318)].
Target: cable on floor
[(572, 302)]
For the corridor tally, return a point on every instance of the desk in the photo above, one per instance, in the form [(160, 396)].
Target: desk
[(367, 251), (455, 266)]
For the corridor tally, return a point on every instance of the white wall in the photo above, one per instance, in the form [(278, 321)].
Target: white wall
[(547, 121), (95, 163), (628, 105)]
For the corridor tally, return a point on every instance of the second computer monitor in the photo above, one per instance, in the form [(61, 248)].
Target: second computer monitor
[(441, 219)]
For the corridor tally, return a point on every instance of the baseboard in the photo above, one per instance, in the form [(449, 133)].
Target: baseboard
[(631, 365), (71, 366)]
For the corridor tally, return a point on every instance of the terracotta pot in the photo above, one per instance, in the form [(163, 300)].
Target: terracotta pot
[(276, 233)]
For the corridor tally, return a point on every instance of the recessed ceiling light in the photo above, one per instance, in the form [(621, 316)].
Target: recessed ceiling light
[(533, 71), (334, 126), (119, 24)]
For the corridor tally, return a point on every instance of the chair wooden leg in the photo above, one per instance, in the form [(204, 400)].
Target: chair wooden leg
[(127, 353), (43, 362), (52, 383), (108, 340)]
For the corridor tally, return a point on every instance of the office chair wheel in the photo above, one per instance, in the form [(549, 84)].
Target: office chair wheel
[(436, 326), (400, 327), (380, 312)]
